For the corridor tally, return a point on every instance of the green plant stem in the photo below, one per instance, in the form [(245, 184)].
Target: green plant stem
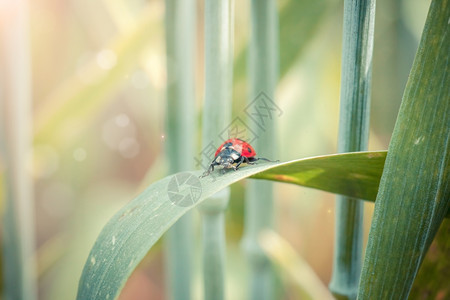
[(216, 117), (263, 73), (179, 136), (214, 244), (359, 16), (414, 193), (19, 270)]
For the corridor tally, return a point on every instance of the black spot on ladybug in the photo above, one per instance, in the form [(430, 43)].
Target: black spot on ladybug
[(249, 150)]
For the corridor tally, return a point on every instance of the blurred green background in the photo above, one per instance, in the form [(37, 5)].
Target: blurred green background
[(98, 90)]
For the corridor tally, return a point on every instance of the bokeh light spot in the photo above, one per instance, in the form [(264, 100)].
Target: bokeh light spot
[(79, 154), (129, 147), (122, 120), (106, 59)]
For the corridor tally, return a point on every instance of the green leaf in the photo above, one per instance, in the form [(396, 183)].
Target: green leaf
[(414, 191), (131, 233)]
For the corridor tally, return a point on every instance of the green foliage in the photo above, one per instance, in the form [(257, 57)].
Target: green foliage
[(414, 193), (418, 157), (130, 234)]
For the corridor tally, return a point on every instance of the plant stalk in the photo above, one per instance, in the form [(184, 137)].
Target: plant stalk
[(263, 74), (19, 269), (357, 49), (180, 136), (216, 117)]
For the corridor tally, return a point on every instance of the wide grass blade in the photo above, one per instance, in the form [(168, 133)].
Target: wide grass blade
[(414, 193), (131, 233), (430, 280)]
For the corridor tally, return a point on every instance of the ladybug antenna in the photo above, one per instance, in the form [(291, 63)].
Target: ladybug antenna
[(262, 158)]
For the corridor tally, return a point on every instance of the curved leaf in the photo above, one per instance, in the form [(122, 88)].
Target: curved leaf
[(130, 234)]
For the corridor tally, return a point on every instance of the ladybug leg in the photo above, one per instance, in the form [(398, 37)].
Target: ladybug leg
[(210, 169), (241, 160), (206, 173), (248, 161), (262, 158)]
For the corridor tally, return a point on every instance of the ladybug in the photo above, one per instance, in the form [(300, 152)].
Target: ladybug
[(233, 151)]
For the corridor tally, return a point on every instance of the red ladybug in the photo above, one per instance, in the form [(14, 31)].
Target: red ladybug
[(233, 151)]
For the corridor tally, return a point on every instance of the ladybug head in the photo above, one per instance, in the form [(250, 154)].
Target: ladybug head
[(227, 157), (227, 162)]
